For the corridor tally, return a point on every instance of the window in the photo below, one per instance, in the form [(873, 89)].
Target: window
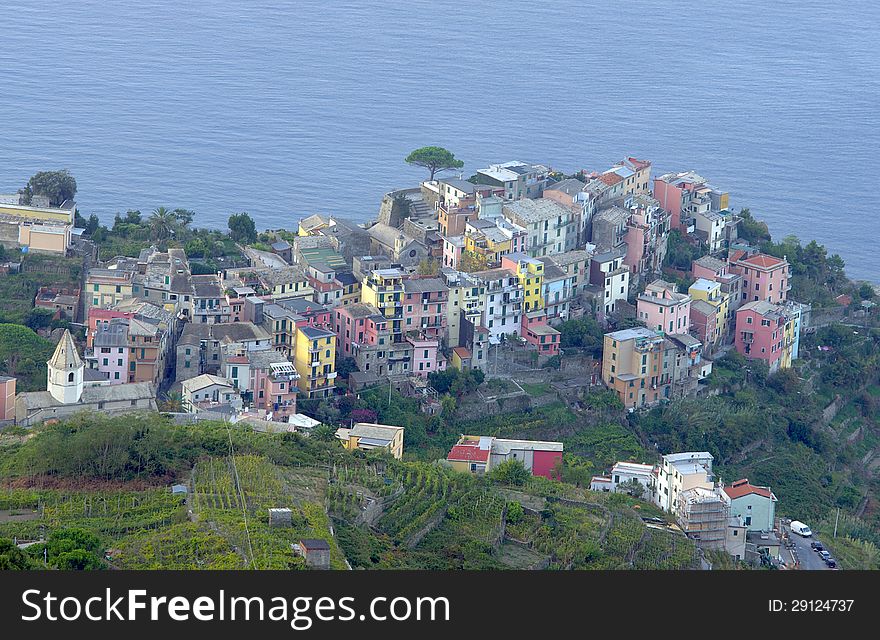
[(70, 376)]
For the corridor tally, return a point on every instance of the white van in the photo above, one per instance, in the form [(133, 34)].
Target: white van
[(801, 529)]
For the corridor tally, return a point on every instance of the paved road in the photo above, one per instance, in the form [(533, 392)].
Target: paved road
[(809, 559)]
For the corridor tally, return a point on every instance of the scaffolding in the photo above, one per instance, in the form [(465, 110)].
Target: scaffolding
[(703, 514)]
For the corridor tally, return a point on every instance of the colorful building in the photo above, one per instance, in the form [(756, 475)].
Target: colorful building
[(503, 307), (768, 332), (368, 437), (538, 333), (632, 365), (426, 355), (684, 194), (425, 306), (755, 505), (467, 297), (766, 278), (315, 361), (711, 293), (480, 454), (663, 308), (107, 287), (530, 272)]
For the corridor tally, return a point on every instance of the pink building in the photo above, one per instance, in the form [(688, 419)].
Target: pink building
[(452, 248), (426, 356), (765, 278), (110, 349), (662, 308), (424, 306), (760, 333), (709, 268), (357, 324), (704, 322), (537, 332), (272, 382), (97, 317)]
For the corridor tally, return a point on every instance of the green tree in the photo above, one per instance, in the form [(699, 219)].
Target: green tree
[(515, 512), (23, 355), (57, 186), (14, 559), (866, 291), (511, 472), (242, 228), (401, 207), (471, 262), (434, 159), (162, 224), (429, 267), (172, 402), (632, 487)]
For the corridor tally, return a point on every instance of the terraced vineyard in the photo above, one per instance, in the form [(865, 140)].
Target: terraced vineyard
[(110, 514), (428, 490)]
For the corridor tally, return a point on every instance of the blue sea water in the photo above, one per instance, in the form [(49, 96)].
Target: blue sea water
[(284, 109)]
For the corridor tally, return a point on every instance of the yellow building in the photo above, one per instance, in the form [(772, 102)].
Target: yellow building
[(467, 297), (287, 283), (711, 292), (313, 225), (633, 365), (315, 361), (108, 287), (367, 436), (40, 229), (530, 272)]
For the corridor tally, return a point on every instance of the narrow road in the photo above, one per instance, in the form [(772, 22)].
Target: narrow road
[(809, 559)]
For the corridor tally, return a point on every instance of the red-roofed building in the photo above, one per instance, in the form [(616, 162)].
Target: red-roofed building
[(479, 454), (471, 454), (766, 278), (755, 505)]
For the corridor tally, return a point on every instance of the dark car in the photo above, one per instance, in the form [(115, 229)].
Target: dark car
[(831, 562), (817, 546)]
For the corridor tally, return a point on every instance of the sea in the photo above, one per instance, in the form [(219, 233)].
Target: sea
[(285, 109)]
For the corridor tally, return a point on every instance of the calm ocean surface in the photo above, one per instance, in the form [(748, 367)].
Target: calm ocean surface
[(284, 109)]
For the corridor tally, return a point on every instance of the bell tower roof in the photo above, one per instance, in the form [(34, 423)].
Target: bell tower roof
[(65, 357)]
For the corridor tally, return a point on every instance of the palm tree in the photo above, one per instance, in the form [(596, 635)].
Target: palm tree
[(162, 224), (172, 402)]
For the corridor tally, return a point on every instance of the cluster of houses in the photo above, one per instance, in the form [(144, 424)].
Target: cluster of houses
[(738, 302), (739, 518), (449, 269)]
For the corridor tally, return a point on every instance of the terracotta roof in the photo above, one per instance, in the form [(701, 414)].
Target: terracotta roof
[(468, 453), (763, 261), (742, 488), (610, 178)]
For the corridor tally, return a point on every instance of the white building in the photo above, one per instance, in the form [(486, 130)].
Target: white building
[(67, 393), (206, 390), (551, 227), (679, 472), (503, 307)]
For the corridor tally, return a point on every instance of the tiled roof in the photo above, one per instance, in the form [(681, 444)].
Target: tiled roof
[(742, 488), (762, 260), (468, 453)]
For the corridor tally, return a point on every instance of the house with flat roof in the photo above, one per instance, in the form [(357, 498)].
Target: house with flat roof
[(480, 454), (368, 436)]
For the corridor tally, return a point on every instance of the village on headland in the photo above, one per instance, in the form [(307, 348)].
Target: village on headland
[(517, 288)]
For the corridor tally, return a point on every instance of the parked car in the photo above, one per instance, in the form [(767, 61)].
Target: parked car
[(824, 555), (831, 562), (817, 546)]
